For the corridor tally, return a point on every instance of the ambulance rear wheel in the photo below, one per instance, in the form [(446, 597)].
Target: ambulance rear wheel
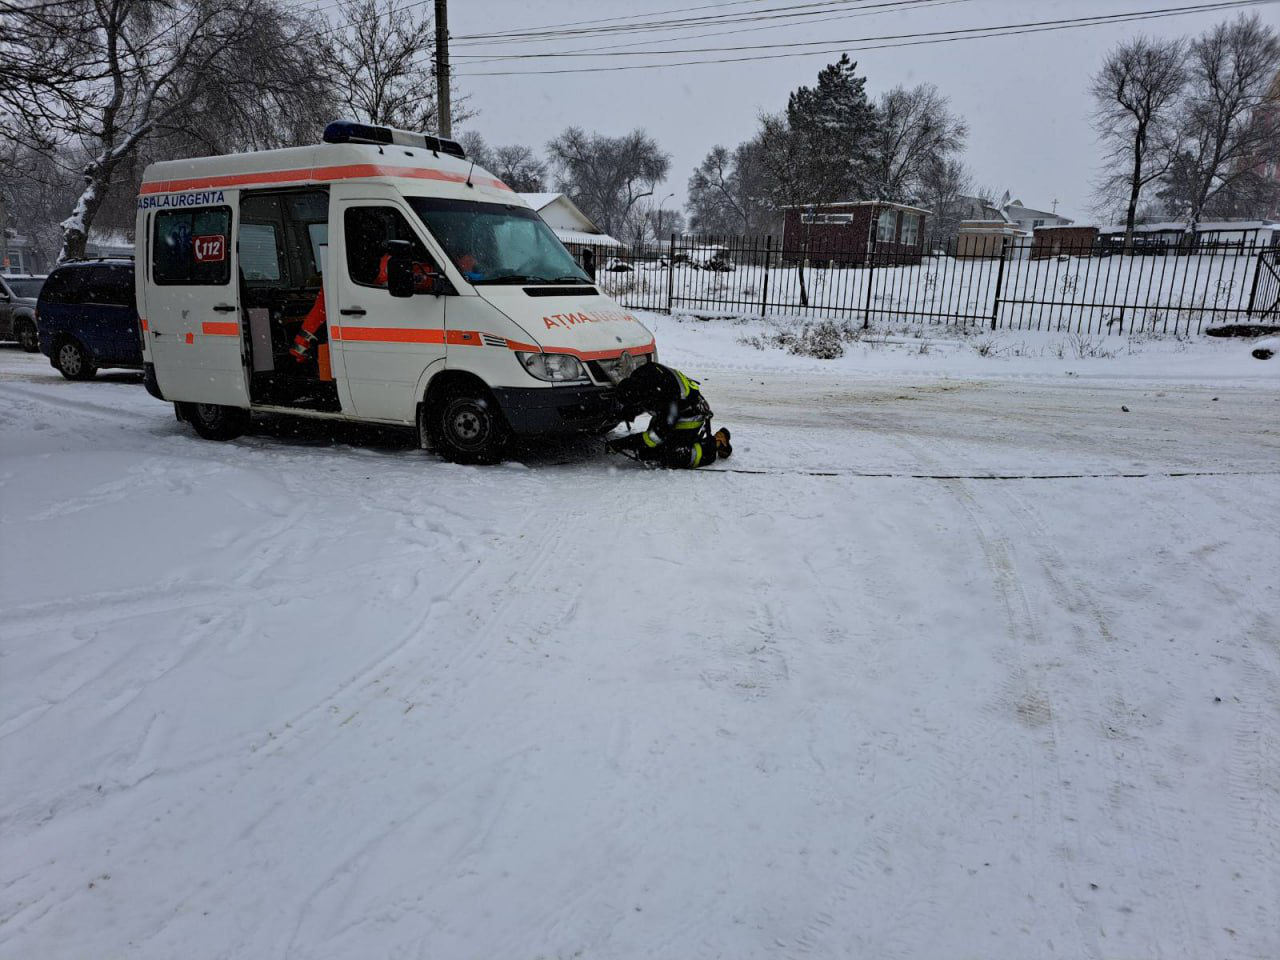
[(214, 421), (468, 427)]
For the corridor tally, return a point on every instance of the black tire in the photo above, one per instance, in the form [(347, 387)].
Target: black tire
[(467, 427), (214, 421), (24, 331), (73, 361)]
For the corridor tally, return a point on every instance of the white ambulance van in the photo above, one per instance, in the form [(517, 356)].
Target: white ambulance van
[(448, 304)]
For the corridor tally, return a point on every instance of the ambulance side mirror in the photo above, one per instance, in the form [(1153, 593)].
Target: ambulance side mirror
[(400, 272)]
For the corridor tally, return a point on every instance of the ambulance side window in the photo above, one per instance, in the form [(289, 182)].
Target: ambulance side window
[(190, 247), (367, 231)]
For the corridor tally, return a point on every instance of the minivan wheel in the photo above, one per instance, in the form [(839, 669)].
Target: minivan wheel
[(73, 362), (468, 427), (24, 331), (216, 422)]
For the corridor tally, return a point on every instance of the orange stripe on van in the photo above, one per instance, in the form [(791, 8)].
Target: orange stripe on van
[(464, 338), (143, 321), (470, 338), (351, 171), (220, 328), (387, 335)]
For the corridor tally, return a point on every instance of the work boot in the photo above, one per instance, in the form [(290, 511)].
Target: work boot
[(724, 449)]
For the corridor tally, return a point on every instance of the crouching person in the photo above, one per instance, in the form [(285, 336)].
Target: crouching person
[(679, 433)]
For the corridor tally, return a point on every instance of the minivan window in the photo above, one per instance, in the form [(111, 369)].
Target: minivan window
[(192, 246), (64, 285), (497, 242), (110, 284)]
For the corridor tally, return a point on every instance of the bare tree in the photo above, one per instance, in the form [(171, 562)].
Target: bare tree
[(944, 185), (381, 59), (728, 192), (917, 130), (516, 165), (1135, 93), (651, 222), (1229, 124), (40, 191), (519, 167), (607, 176), (124, 69)]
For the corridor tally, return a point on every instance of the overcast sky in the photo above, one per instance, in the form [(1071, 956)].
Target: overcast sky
[(1025, 97)]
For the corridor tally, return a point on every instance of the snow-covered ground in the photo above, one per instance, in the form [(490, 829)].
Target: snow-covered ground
[(315, 694)]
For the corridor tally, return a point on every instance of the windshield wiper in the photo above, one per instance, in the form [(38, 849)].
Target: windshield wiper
[(509, 278), (570, 279)]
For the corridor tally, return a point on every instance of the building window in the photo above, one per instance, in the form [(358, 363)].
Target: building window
[(1036, 223), (887, 226), (834, 218), (910, 228)]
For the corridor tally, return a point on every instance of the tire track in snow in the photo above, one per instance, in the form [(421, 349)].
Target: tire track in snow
[(1071, 593), (1254, 757), (1024, 634), (42, 397)]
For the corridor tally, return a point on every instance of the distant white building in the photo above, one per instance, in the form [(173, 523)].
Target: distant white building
[(1028, 218), (1211, 231), (571, 225), (22, 254)]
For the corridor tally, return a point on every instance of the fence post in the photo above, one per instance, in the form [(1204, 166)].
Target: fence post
[(995, 306), (671, 273), (1257, 275), (764, 290), (871, 275)]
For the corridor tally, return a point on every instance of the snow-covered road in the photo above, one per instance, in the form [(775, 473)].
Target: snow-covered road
[(306, 697)]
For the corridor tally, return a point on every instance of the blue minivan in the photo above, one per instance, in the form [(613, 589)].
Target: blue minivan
[(87, 318)]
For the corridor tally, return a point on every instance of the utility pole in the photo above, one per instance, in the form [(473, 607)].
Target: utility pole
[(444, 120)]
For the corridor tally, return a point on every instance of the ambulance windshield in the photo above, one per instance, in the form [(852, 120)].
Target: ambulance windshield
[(494, 243)]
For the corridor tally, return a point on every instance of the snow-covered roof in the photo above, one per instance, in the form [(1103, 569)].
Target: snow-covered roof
[(563, 216), (856, 203), (589, 239), (1032, 211), (540, 200), (1177, 226)]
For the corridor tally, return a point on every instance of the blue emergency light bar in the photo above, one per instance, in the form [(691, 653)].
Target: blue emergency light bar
[(348, 131)]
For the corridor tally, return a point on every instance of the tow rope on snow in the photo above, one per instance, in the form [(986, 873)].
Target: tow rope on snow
[(989, 476)]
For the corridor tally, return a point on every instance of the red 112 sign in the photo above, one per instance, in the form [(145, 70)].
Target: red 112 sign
[(210, 249)]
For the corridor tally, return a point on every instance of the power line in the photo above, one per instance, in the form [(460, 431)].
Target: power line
[(976, 33), (768, 13), (555, 33), (1101, 18), (493, 58), (822, 18)]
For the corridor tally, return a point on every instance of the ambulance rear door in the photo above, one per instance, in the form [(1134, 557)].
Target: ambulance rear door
[(193, 324)]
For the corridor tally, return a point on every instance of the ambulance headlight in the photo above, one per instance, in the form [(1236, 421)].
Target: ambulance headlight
[(556, 367)]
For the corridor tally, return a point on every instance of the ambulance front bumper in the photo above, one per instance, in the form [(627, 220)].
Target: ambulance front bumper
[(567, 409)]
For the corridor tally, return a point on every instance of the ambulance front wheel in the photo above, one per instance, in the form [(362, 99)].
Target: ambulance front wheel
[(468, 427), (214, 421)]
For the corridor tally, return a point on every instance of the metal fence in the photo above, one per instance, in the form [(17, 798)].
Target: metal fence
[(999, 283)]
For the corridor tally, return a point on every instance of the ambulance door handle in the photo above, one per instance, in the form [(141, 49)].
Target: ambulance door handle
[(353, 312), (224, 308)]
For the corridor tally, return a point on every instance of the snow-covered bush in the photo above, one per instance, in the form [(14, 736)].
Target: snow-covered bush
[(822, 339)]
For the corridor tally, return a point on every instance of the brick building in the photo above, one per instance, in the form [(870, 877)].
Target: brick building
[(845, 232)]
